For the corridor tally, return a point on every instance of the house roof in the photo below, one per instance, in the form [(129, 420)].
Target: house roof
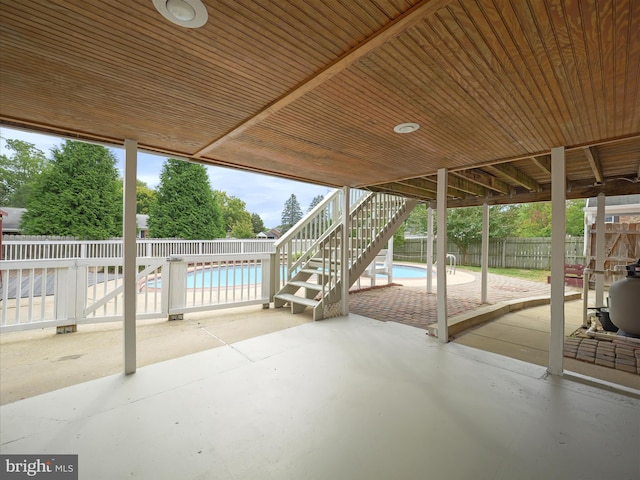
[(633, 200), (313, 91)]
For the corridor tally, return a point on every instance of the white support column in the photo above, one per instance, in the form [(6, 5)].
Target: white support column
[(600, 241), (484, 259), (346, 235), (558, 233), (443, 327), (429, 249), (129, 254)]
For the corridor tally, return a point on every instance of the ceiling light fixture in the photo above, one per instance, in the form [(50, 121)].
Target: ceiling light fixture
[(406, 127), (186, 13)]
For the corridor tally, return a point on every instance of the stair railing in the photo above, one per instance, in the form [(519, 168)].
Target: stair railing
[(369, 223), (370, 215)]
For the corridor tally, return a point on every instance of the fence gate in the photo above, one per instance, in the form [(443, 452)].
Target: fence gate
[(622, 247)]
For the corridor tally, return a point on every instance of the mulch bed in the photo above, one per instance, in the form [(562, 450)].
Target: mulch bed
[(613, 353)]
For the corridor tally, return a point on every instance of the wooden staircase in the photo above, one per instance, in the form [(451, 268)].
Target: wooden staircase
[(312, 267)]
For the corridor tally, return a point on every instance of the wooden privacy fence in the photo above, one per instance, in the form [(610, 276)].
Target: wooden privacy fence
[(622, 247), (512, 252)]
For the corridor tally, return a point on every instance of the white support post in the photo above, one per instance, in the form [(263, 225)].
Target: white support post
[(600, 241), (558, 232), (429, 249), (443, 327), (485, 253), (346, 235), (129, 254)]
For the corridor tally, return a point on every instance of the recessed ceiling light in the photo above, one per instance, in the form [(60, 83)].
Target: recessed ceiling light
[(406, 127), (186, 13)]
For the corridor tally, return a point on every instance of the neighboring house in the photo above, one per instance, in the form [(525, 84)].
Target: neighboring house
[(620, 209), (622, 238), (142, 221), (273, 234), (11, 224)]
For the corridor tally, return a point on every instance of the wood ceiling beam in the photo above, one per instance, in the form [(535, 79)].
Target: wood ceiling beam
[(431, 186), (404, 22), (484, 180), (515, 175), (402, 190), (579, 190), (457, 181), (544, 163), (594, 161)]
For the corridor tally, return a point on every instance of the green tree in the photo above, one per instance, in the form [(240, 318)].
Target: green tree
[(575, 217), (145, 197), (464, 225), (291, 214), (258, 224), (185, 206), (18, 172), (77, 194), (416, 222), (237, 220), (314, 202), (534, 219)]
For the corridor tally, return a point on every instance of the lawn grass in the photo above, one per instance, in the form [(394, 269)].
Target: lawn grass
[(533, 275)]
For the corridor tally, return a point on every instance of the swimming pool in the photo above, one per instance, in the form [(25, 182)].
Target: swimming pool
[(407, 271), (239, 275)]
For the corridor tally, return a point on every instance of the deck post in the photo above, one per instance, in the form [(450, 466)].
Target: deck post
[(485, 252), (344, 259), (429, 249), (129, 254), (558, 232), (443, 327), (600, 244)]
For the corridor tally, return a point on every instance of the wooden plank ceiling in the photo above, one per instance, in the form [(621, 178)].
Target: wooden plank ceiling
[(312, 89)]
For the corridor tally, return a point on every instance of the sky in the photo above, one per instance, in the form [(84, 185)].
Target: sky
[(263, 194)]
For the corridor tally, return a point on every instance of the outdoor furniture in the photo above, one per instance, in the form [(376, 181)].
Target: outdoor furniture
[(573, 275)]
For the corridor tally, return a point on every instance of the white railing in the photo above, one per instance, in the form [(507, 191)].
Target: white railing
[(45, 293), (307, 233), (146, 247), (371, 220)]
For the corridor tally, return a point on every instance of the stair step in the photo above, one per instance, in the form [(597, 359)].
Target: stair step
[(313, 271), (309, 285), (288, 297)]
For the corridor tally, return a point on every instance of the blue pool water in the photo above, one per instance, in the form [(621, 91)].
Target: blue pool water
[(247, 275), (406, 271)]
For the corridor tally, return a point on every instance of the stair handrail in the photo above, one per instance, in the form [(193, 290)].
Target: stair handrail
[(304, 235), (311, 216)]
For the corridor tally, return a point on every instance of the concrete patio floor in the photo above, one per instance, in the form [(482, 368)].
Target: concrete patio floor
[(345, 398)]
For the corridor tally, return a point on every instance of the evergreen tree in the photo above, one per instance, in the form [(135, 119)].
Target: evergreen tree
[(77, 194), (291, 214), (185, 206), (18, 172), (314, 202), (258, 224)]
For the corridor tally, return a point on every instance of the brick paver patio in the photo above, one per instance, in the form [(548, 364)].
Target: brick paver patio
[(412, 305)]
